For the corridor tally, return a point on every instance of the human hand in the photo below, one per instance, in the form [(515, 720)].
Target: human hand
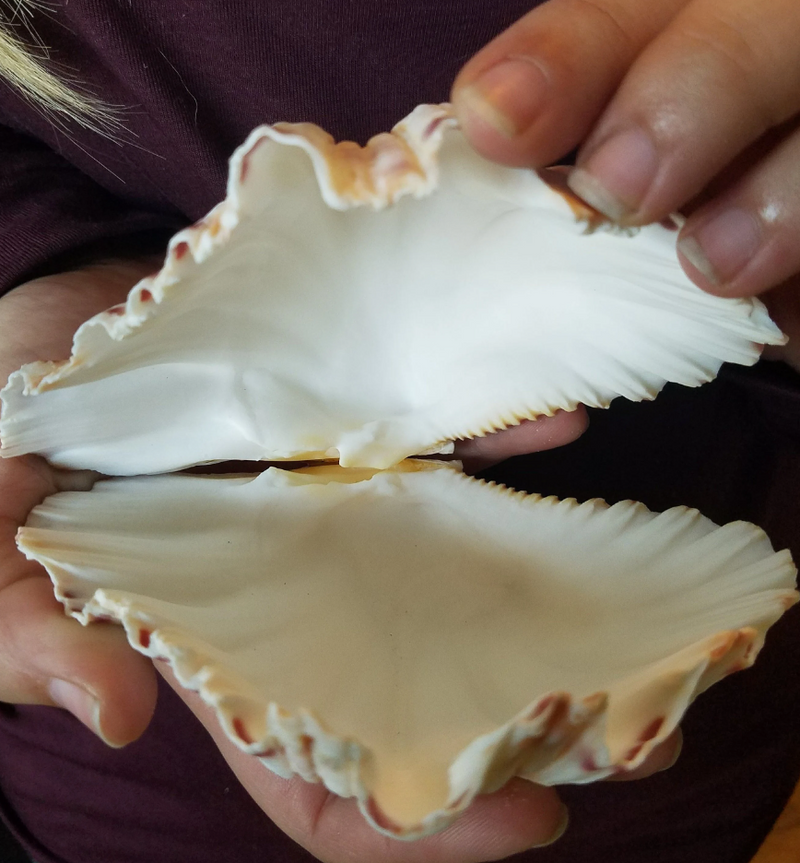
[(45, 657), (676, 105), (519, 816)]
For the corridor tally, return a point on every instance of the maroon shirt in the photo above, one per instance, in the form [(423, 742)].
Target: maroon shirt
[(192, 79)]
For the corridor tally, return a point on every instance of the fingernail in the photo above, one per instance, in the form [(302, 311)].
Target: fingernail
[(560, 830), (615, 178), (721, 248), (508, 97), (81, 704)]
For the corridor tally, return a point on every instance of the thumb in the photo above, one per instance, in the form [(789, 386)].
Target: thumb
[(46, 658)]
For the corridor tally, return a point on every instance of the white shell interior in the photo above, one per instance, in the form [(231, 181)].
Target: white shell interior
[(420, 615), (294, 324)]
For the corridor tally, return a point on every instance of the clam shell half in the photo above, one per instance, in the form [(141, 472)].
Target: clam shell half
[(371, 304), (415, 637)]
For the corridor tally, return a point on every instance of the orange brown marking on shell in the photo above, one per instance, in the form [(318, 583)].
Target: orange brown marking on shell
[(245, 166), (746, 639), (270, 752), (634, 751), (382, 819), (306, 745), (351, 167), (38, 381), (458, 802), (588, 763), (145, 296), (556, 179), (241, 731), (116, 310), (722, 650), (595, 701), (557, 718), (541, 707), (433, 126), (181, 249), (144, 637), (652, 729)]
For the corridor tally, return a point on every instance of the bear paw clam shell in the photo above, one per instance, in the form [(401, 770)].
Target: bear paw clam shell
[(407, 635), (427, 295)]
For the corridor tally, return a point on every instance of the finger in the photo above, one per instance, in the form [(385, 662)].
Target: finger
[(532, 94), (661, 758), (722, 74), (545, 433), (746, 240), (47, 658), (520, 816)]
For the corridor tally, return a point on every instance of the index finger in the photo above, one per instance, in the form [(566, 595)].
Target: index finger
[(527, 437), (533, 93)]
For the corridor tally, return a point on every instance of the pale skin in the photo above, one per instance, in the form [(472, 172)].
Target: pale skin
[(674, 105), (701, 98)]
